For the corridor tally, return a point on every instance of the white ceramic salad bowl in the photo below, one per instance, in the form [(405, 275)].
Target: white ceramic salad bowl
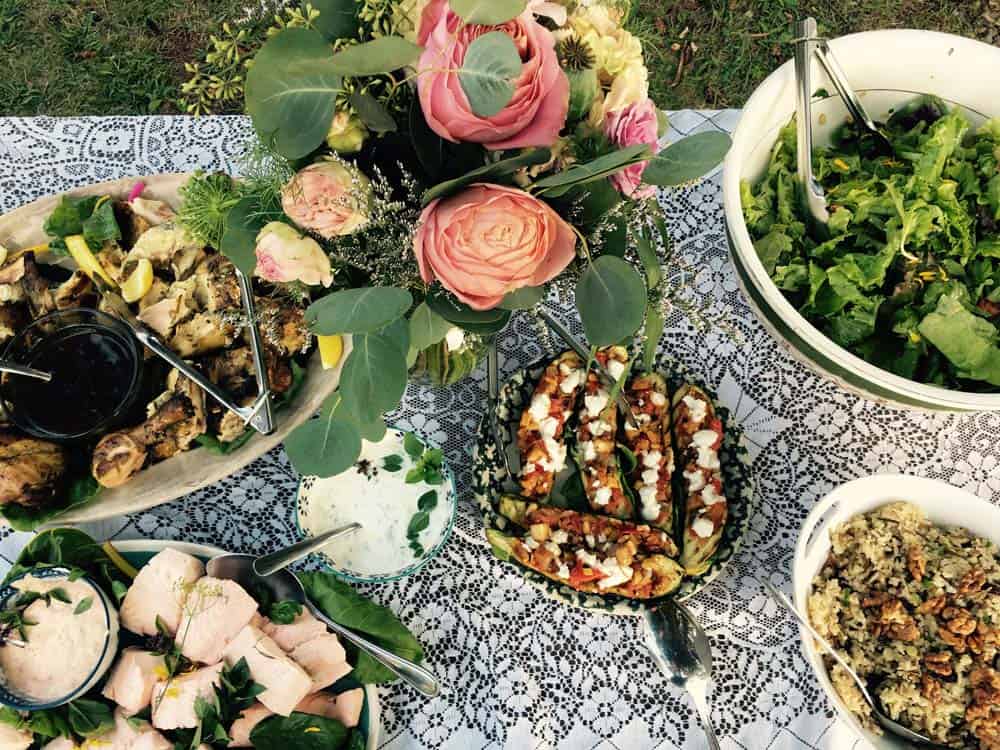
[(197, 468), (943, 503), (887, 68)]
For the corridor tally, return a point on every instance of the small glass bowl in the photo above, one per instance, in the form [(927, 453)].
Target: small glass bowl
[(302, 504), (13, 699), (23, 348)]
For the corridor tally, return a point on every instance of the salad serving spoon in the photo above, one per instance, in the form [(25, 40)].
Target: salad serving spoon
[(284, 585), (683, 652), (883, 720), (811, 194), (265, 565)]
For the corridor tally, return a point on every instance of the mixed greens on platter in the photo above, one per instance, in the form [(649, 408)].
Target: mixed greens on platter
[(909, 276)]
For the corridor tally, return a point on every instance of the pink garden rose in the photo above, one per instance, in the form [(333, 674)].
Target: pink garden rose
[(285, 255), (631, 126), (489, 240), (535, 114), (329, 198)]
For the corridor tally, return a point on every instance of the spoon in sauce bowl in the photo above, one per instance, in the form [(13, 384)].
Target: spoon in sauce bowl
[(28, 372)]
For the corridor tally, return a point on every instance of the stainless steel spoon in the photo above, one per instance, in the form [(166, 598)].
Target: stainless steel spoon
[(285, 585), (853, 103), (28, 372), (272, 563), (884, 721), (683, 652), (811, 194)]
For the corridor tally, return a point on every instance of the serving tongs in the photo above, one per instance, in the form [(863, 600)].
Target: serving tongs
[(259, 414)]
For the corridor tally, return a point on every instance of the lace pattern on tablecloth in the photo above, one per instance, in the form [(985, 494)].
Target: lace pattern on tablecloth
[(522, 671)]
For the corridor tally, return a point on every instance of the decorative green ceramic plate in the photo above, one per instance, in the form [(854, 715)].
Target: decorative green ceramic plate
[(489, 482)]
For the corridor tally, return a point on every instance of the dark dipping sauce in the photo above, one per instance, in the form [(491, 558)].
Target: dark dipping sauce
[(94, 375)]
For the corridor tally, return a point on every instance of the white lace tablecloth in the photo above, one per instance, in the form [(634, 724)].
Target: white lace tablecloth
[(520, 671)]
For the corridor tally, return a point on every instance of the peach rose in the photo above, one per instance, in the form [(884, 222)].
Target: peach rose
[(535, 114), (631, 126), (489, 240), (329, 198)]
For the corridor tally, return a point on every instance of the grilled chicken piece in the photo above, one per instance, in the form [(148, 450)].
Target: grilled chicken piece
[(13, 317), (76, 291), (202, 333), (11, 274), (36, 288), (217, 287), (30, 469), (138, 216), (158, 292), (179, 436), (112, 259), (120, 455), (168, 247), (282, 327), (177, 304)]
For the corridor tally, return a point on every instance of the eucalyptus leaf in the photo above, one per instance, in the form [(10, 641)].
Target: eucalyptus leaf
[(650, 260), (382, 55), (373, 113), (483, 322), (362, 310), (426, 327), (325, 446), (337, 18), (488, 12), (524, 298), (291, 91), (494, 172), (580, 174), (654, 330), (490, 65), (687, 159), (239, 235), (611, 298), (374, 376)]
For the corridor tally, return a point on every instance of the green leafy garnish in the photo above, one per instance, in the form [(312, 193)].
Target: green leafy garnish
[(284, 612), (392, 463), (83, 605)]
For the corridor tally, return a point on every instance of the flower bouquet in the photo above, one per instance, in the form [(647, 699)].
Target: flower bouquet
[(427, 167)]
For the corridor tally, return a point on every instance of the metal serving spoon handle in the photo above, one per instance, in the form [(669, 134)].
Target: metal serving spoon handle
[(265, 565), (28, 372), (492, 397)]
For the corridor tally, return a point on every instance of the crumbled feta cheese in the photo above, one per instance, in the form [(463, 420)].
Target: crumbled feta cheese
[(650, 506), (615, 574), (708, 458), (599, 428), (697, 409), (530, 543), (528, 468), (601, 538), (695, 480), (587, 558), (549, 427), (553, 548), (556, 460), (540, 406), (596, 403), (616, 368), (650, 476), (603, 496), (657, 398), (559, 536), (588, 451), (702, 527), (652, 459), (704, 438), (563, 571), (589, 539), (710, 497), (643, 418), (455, 338), (571, 379)]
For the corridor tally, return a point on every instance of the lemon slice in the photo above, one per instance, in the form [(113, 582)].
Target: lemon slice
[(331, 349), (86, 259), (139, 281)]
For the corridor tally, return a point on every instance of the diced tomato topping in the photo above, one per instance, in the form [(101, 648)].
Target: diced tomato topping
[(583, 574), (715, 425)]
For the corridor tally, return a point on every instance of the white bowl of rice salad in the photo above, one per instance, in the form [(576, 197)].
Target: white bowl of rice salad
[(902, 575)]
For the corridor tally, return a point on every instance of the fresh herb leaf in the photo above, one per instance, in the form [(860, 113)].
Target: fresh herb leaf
[(428, 501), (412, 445), (298, 732), (284, 612), (392, 463), (420, 521), (60, 595), (89, 718), (83, 605)]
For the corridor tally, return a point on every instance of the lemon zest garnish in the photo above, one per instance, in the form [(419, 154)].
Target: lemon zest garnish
[(312, 729), (841, 164)]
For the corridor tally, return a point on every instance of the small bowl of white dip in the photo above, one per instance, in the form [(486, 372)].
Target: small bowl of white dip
[(69, 629), (403, 495)]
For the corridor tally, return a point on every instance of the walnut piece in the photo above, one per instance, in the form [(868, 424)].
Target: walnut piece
[(939, 663), (916, 563), (971, 582), (983, 714), (895, 622), (933, 606), (958, 620), (930, 688)]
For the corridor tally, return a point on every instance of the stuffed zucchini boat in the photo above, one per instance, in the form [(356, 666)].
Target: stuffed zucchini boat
[(650, 442), (698, 436), (541, 433), (589, 553), (596, 438)]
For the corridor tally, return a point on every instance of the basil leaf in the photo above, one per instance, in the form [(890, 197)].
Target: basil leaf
[(428, 501), (284, 612), (420, 521), (83, 605), (298, 732)]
